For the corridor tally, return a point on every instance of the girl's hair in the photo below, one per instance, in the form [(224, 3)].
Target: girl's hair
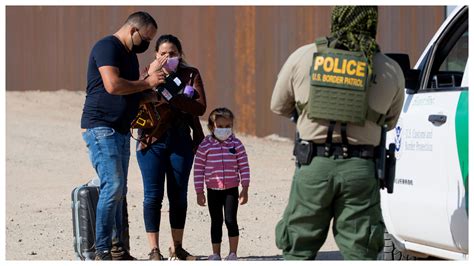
[(219, 112)]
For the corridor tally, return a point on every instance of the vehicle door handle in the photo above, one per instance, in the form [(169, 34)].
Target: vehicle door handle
[(437, 119)]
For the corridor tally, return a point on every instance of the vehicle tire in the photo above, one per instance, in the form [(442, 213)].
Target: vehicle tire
[(391, 252)]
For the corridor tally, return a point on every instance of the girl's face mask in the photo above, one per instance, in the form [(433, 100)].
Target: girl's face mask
[(222, 133), (171, 64)]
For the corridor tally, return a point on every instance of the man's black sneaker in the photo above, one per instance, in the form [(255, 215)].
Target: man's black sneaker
[(103, 255), (119, 253)]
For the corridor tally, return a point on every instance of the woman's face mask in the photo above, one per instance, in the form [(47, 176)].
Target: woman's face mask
[(171, 64), (222, 133)]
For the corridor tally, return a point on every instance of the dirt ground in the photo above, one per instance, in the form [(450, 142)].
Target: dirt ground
[(46, 158)]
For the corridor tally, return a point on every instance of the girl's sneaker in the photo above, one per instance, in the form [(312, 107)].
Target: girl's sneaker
[(232, 256), (214, 257)]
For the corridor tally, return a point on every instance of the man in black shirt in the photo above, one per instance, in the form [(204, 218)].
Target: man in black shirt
[(112, 100)]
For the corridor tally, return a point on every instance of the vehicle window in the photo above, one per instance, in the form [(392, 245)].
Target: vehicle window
[(450, 58), (457, 57)]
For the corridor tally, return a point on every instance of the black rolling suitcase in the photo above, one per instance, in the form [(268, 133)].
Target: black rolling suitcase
[(84, 204)]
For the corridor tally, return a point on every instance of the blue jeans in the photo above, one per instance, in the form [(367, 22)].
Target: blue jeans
[(171, 156), (109, 152)]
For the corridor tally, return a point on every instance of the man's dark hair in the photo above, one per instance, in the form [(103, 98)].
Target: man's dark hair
[(141, 19)]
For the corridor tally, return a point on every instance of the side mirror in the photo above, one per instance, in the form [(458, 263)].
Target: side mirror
[(412, 76)]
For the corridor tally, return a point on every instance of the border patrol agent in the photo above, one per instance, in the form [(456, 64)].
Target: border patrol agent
[(344, 90)]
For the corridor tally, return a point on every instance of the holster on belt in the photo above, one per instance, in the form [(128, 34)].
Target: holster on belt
[(385, 163), (390, 168), (303, 152)]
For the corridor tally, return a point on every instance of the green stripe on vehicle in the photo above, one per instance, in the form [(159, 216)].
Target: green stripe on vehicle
[(462, 140)]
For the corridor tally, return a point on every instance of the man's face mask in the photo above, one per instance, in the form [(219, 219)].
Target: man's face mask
[(142, 47), (222, 133), (171, 64)]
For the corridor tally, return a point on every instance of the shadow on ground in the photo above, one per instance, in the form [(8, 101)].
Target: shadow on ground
[(329, 255), (275, 257), (322, 255)]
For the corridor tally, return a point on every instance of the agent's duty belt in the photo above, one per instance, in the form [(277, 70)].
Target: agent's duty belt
[(342, 151)]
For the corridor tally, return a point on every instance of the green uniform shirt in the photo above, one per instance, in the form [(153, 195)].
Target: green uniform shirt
[(293, 83)]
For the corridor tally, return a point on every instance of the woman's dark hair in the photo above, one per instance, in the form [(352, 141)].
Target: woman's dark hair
[(171, 39)]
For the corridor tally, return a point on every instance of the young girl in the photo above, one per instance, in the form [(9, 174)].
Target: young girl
[(221, 163)]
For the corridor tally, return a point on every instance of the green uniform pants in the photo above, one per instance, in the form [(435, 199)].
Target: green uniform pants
[(345, 190)]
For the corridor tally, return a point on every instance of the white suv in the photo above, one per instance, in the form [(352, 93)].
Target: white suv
[(427, 214)]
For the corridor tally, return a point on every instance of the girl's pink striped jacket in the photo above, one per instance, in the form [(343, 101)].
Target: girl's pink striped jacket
[(221, 165)]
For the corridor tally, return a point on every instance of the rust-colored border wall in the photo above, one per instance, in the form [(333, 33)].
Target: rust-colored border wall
[(238, 49)]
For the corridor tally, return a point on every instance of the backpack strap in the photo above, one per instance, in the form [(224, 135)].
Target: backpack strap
[(375, 116), (321, 43), (344, 140), (299, 106), (328, 143)]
